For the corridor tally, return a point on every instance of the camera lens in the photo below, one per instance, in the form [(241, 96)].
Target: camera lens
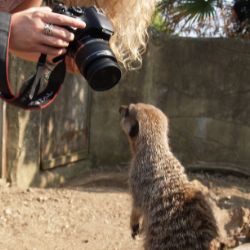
[(103, 74), (98, 64)]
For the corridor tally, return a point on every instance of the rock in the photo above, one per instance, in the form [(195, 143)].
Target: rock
[(243, 247), (4, 183), (7, 211), (42, 199)]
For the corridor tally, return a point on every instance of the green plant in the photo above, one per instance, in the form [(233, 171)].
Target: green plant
[(199, 17)]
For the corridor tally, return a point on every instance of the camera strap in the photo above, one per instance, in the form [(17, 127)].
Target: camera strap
[(39, 90)]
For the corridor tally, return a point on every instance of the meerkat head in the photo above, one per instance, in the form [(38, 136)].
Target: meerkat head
[(144, 123)]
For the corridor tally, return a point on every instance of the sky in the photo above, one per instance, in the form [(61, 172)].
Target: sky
[(209, 29)]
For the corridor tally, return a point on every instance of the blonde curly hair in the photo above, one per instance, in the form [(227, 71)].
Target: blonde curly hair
[(130, 19)]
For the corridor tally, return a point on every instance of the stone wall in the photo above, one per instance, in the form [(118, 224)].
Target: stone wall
[(201, 84)]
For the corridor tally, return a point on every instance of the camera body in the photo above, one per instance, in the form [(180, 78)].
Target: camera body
[(90, 48)]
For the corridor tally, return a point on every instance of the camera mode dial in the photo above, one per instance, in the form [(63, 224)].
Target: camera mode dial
[(77, 11), (60, 9)]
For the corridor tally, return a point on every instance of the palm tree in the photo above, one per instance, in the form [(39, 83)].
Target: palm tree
[(200, 17)]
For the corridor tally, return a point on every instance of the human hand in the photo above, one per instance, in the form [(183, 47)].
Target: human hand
[(27, 31)]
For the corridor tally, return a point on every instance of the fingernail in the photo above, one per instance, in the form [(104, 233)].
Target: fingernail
[(82, 23)]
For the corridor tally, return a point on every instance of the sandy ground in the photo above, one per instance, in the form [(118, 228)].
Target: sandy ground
[(92, 213)]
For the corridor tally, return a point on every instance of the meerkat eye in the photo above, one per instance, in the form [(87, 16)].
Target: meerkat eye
[(134, 130)]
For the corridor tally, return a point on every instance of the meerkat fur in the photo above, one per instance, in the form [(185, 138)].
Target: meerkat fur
[(175, 214)]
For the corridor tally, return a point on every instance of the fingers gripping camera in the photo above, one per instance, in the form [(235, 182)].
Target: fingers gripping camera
[(90, 48)]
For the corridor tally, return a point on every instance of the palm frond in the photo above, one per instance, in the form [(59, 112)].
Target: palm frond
[(185, 13)]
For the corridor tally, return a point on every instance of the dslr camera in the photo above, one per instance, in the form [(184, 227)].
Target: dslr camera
[(90, 48)]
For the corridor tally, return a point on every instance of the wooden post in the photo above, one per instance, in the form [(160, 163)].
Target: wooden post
[(3, 134)]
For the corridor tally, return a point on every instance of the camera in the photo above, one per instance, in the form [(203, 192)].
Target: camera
[(90, 48)]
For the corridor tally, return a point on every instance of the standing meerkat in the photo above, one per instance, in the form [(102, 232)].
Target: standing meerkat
[(172, 212)]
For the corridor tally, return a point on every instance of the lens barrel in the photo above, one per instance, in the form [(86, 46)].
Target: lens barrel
[(98, 64)]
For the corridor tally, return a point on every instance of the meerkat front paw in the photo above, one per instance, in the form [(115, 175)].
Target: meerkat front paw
[(135, 230)]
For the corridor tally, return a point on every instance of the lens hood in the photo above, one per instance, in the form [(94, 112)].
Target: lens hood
[(98, 64)]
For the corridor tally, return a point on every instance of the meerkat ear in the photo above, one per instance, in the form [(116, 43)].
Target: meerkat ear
[(134, 129), (124, 111)]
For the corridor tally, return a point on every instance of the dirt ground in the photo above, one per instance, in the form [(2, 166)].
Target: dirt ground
[(92, 212)]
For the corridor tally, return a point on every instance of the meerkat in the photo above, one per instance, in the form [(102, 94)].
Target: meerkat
[(174, 213)]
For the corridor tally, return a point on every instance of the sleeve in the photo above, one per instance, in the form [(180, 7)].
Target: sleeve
[(5, 20)]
